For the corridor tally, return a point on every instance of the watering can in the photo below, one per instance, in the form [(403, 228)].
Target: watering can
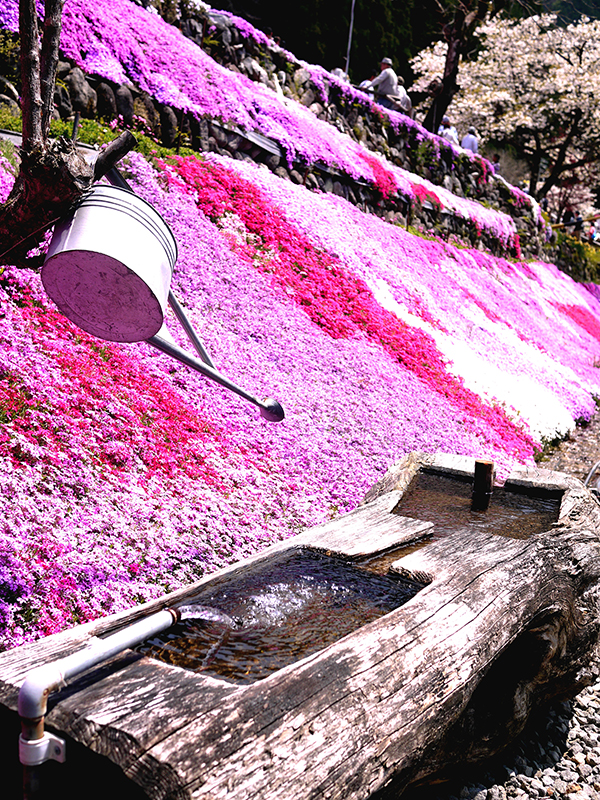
[(109, 265), (108, 269)]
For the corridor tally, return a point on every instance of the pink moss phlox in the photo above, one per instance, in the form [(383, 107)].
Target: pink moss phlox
[(334, 299), (425, 194), (7, 178), (384, 179), (439, 271), (582, 317), (139, 431), (124, 43)]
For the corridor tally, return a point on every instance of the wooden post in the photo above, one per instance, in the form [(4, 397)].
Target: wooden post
[(483, 484)]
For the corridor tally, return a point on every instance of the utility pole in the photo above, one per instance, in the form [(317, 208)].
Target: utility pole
[(347, 67)]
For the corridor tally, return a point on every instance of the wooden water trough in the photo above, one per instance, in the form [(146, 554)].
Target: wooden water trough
[(496, 625)]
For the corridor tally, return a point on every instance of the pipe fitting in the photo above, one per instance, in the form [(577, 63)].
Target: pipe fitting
[(35, 751), (42, 681), (37, 745), (38, 685)]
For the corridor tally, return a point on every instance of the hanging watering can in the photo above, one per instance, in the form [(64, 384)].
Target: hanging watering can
[(109, 265), (109, 269)]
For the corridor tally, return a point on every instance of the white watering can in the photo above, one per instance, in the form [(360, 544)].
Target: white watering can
[(109, 265), (109, 269)]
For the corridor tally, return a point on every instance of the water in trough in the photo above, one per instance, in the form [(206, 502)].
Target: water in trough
[(446, 501), (276, 614), (297, 603)]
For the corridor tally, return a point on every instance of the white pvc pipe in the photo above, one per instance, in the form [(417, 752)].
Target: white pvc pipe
[(591, 473), (42, 681)]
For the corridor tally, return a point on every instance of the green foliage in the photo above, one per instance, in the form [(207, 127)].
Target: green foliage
[(90, 131), (592, 255), (94, 132), (427, 155), (9, 55), (548, 448), (8, 150), (579, 259), (9, 120), (169, 11)]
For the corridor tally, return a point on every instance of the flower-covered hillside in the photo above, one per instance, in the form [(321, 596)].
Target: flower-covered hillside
[(124, 43), (126, 475)]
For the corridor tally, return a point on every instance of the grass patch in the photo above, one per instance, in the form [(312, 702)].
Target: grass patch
[(92, 132), (549, 447), (9, 151)]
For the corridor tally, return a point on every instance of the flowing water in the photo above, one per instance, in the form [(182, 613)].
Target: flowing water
[(289, 607)]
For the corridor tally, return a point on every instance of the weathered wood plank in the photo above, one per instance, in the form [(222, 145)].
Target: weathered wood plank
[(370, 528), (125, 711), (399, 475), (500, 625)]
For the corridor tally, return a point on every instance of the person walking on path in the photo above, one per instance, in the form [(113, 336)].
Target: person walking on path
[(469, 142)]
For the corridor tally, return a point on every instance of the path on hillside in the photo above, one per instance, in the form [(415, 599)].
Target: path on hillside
[(87, 151), (559, 754), (579, 453)]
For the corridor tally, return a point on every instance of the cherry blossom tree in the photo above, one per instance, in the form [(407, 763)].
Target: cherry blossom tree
[(534, 88)]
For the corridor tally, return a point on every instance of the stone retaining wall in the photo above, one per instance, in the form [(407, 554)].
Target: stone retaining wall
[(237, 45), (242, 48)]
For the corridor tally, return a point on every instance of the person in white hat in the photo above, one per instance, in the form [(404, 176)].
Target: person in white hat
[(388, 89), (469, 142)]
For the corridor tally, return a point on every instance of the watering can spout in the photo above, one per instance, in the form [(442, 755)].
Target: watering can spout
[(272, 411)]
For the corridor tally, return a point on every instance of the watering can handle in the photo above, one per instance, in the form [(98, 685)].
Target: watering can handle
[(187, 327), (110, 156)]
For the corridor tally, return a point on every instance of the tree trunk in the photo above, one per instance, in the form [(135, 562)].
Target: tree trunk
[(466, 16), (455, 36), (559, 165), (52, 175)]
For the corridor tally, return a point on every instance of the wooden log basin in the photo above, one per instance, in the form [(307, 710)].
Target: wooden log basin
[(496, 624)]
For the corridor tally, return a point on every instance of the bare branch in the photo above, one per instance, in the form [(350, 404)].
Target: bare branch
[(557, 169), (112, 154), (582, 162), (31, 102), (49, 58)]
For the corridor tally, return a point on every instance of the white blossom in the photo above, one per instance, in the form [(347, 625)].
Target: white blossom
[(526, 86)]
